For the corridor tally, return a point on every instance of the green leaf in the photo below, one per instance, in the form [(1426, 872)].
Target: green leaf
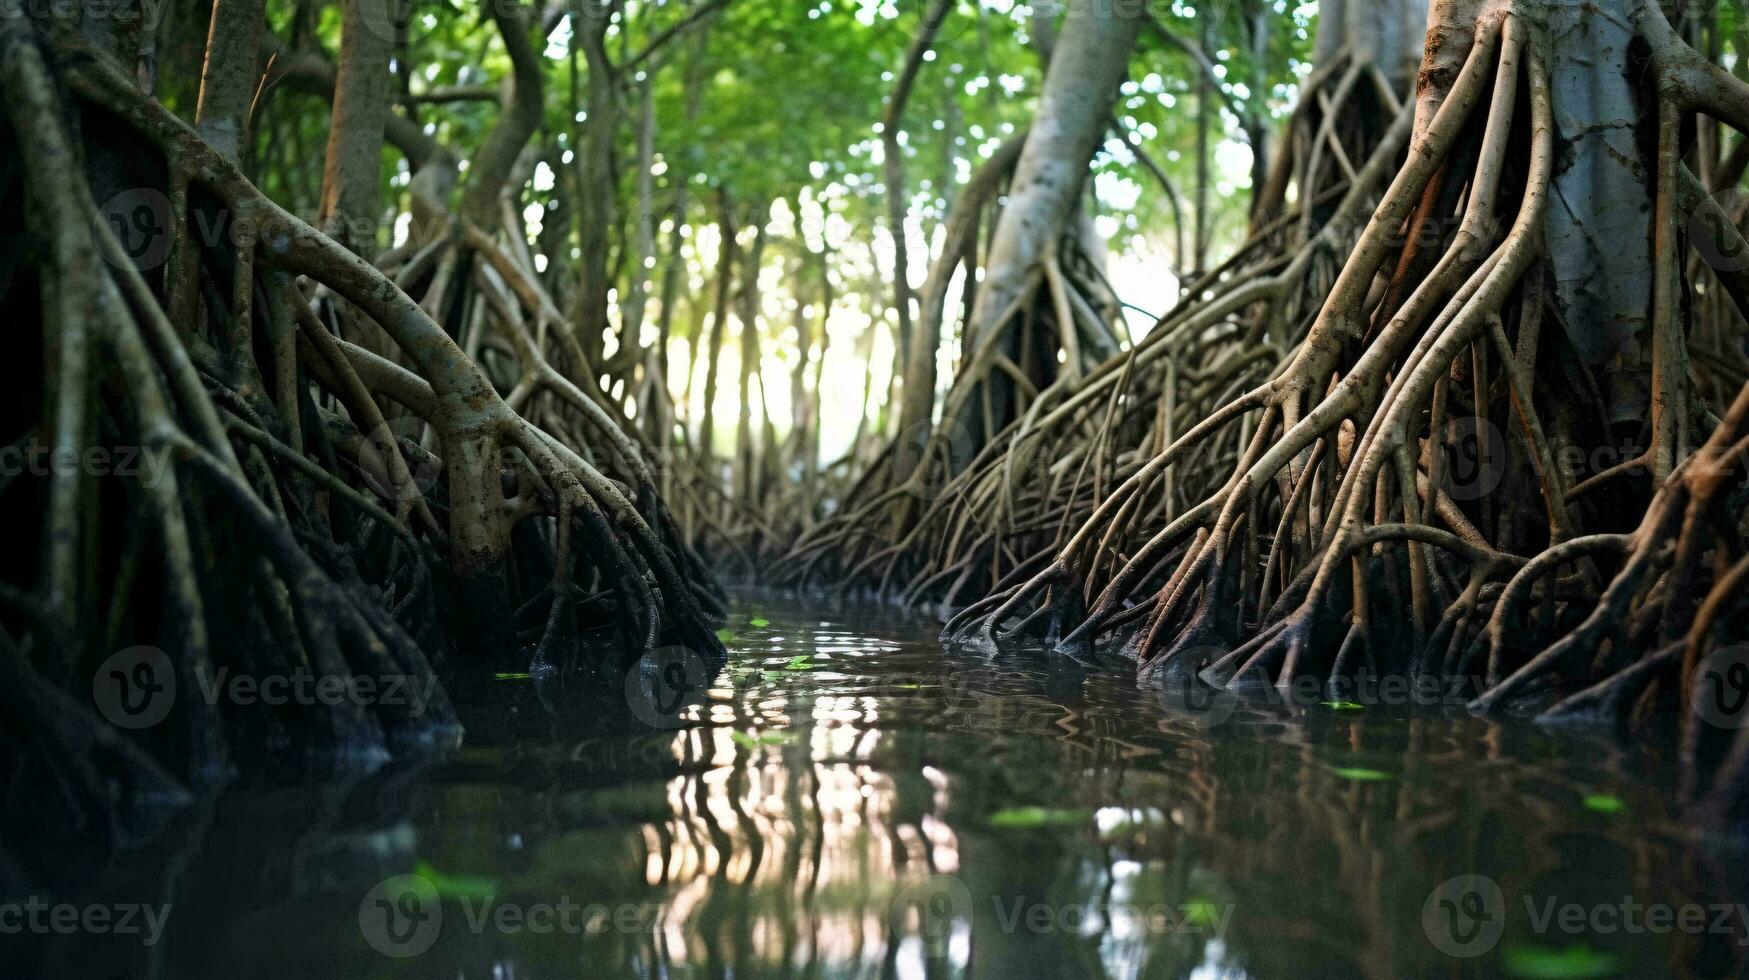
[(1604, 803), (799, 663), (511, 677), (1363, 775), (1342, 705), (456, 886), (726, 636), (1564, 963), (759, 622), (1033, 817), (1201, 912), (754, 740)]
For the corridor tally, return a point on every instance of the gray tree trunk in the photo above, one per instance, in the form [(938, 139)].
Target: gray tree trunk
[(1088, 60), (746, 464), (352, 170), (1390, 32), (228, 80)]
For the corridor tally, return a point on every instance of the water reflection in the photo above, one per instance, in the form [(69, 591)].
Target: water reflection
[(848, 800)]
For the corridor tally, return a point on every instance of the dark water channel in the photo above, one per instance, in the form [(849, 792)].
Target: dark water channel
[(849, 800)]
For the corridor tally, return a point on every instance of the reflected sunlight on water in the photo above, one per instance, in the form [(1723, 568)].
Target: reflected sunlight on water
[(849, 800)]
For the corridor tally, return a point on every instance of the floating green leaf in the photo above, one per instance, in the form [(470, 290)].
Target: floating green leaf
[(753, 740), (726, 636), (1342, 705), (1201, 912), (799, 663), (1604, 803), (512, 677), (1031, 817), (759, 622), (1363, 775), (456, 886), (1564, 963)]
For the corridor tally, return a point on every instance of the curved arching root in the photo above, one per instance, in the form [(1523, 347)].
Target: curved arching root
[(1096, 449), (1433, 476), (295, 502)]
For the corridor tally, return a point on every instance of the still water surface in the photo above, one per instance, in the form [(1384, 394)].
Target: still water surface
[(849, 800)]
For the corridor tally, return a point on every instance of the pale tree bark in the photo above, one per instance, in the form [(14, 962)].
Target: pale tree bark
[(1088, 61), (1386, 32), (661, 363), (352, 170), (590, 20), (638, 290), (1598, 233), (713, 347), (746, 461), (893, 165), (490, 170), (823, 340), (1205, 86), (229, 79), (917, 406)]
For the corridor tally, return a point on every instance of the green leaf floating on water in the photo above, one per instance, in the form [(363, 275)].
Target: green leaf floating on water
[(512, 677), (726, 636), (1201, 912), (1563, 963), (456, 886), (759, 622), (799, 663), (1342, 705), (1604, 803), (756, 739), (1363, 775), (1030, 817)]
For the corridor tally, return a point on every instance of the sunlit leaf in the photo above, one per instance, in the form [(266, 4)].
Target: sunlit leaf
[(1562, 963), (1031, 817), (512, 677), (759, 622), (1342, 705), (456, 886), (1201, 912), (1604, 803), (1362, 775)]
